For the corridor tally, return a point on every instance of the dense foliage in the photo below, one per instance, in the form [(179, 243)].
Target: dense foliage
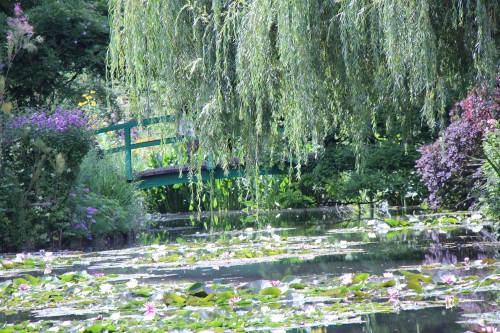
[(104, 204), (388, 174), (450, 167), (41, 161), (245, 68), (76, 36), (491, 169)]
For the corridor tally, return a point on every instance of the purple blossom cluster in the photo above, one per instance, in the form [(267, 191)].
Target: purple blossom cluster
[(61, 120)]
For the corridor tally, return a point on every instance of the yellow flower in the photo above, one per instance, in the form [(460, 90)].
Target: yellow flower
[(84, 95), (94, 103), (92, 91), (80, 104)]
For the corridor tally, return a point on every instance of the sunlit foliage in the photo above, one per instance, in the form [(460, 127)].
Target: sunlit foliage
[(246, 68)]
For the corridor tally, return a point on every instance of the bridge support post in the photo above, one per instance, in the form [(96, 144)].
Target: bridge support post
[(128, 153)]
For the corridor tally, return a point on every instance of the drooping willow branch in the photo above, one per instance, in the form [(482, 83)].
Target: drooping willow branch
[(246, 68)]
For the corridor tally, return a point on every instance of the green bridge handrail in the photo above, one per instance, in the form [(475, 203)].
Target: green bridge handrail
[(152, 178), (129, 146)]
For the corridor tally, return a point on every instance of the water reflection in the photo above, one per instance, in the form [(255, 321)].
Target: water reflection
[(370, 252), (417, 321)]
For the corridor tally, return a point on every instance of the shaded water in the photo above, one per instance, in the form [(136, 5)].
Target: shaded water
[(372, 252)]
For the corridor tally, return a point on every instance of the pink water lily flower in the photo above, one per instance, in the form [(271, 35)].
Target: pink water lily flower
[(7, 262), (225, 255), (99, 274), (393, 292), (448, 279), (234, 300), (275, 283), (19, 258), (23, 287), (150, 310), (489, 329)]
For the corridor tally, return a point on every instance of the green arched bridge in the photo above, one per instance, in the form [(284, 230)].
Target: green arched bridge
[(168, 175)]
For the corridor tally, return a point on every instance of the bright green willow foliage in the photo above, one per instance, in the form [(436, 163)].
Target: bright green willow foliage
[(245, 68)]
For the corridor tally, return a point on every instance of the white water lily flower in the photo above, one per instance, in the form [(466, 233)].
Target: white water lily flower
[(155, 257), (54, 329), (276, 318), (115, 316), (132, 283), (476, 217), (277, 238), (265, 309), (343, 244), (475, 228), (249, 230), (372, 235), (346, 278), (50, 286), (106, 288)]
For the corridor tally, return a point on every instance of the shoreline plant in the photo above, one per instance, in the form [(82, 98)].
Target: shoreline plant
[(41, 164), (451, 166)]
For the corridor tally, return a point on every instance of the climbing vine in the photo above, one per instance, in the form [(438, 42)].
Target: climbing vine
[(246, 69)]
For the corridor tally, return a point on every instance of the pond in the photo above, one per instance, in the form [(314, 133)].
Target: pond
[(321, 270)]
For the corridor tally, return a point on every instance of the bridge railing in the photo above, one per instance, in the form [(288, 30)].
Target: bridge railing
[(168, 175), (129, 145)]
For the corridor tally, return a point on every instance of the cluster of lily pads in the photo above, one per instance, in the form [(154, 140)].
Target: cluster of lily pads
[(46, 292)]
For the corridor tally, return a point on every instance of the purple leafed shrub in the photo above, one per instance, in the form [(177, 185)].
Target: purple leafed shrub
[(450, 167)]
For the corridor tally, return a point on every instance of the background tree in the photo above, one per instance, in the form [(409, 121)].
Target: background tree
[(316, 67), (76, 36)]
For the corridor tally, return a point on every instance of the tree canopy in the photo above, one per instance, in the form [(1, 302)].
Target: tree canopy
[(75, 35), (246, 68)]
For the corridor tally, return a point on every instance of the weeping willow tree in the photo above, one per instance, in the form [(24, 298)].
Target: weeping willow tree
[(268, 78)]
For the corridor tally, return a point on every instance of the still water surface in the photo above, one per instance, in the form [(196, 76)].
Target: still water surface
[(376, 252)]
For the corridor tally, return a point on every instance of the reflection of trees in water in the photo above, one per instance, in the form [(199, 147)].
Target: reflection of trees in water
[(452, 247), (477, 303)]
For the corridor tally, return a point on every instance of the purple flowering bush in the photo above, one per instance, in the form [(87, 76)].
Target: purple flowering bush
[(41, 163), (451, 166)]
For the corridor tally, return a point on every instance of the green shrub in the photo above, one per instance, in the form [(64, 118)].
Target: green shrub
[(386, 173), (491, 169), (104, 203)]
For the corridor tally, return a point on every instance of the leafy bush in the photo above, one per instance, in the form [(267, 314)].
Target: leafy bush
[(450, 167), (41, 161), (387, 174), (103, 202), (491, 169)]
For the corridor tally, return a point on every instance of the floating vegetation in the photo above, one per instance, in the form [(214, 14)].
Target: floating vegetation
[(123, 290)]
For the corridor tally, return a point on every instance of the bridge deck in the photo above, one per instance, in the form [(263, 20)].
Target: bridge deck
[(179, 174)]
